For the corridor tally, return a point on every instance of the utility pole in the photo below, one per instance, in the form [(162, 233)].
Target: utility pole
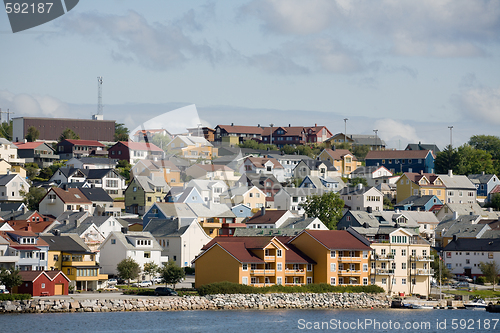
[(271, 132), (99, 95), (451, 136), (345, 129), (376, 138), (8, 114)]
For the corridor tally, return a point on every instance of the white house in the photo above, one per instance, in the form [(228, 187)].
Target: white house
[(141, 246), (362, 198), (8, 152), (374, 175), (210, 190), (12, 186), (264, 166), (462, 256), (290, 198), (289, 162)]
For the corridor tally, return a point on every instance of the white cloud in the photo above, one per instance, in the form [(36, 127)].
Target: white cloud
[(33, 105), (154, 45), (391, 131), (480, 102)]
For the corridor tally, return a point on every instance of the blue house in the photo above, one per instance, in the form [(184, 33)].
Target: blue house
[(420, 203), (242, 211), (325, 183), (484, 184), (401, 161), (190, 195)]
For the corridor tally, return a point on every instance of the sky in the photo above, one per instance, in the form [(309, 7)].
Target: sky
[(408, 69)]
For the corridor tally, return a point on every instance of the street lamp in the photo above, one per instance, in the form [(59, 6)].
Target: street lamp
[(345, 129), (271, 132), (376, 138), (451, 136)]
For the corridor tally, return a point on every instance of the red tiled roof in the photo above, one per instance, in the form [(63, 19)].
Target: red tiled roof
[(240, 252), (140, 146), (289, 131), (250, 242), (260, 161), (53, 274), (31, 275), (338, 154), (270, 217), (36, 227), (242, 129), (24, 247), (395, 154), (337, 239), (295, 256), (92, 143), (27, 145)]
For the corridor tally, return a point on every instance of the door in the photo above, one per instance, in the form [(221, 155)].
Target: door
[(58, 289)]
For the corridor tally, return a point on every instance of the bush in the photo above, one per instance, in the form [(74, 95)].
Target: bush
[(139, 291), (235, 288), (188, 270), (14, 297), (480, 280)]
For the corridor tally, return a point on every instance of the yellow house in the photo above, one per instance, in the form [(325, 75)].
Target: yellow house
[(341, 258), (6, 167), (72, 256), (401, 263), (411, 183), (249, 196), (192, 147), (158, 169), (258, 261), (342, 159)]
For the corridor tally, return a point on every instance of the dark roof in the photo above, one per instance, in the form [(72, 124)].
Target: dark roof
[(9, 206), (5, 179), (395, 154), (314, 164), (67, 243), (473, 244), (480, 178), (98, 173), (165, 227), (97, 160), (269, 217), (96, 194), (423, 146), (416, 200), (351, 190)]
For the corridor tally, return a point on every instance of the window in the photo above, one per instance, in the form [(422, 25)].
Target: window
[(43, 285), (309, 280), (279, 280), (147, 255), (244, 280), (365, 281), (278, 253), (245, 267), (403, 252), (279, 267), (309, 267), (403, 281), (332, 254), (365, 267), (113, 241), (332, 281), (384, 281), (333, 267), (403, 265)]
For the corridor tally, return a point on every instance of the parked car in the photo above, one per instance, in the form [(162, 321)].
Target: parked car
[(165, 291), (157, 280), (142, 284), (112, 282), (4, 291), (463, 285)]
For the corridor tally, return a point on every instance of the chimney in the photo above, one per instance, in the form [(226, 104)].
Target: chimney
[(455, 215), (124, 230), (315, 125), (28, 227), (258, 125), (483, 173), (421, 172), (305, 216), (455, 237), (369, 209), (66, 221), (262, 211), (77, 223), (450, 173), (289, 125), (232, 124)]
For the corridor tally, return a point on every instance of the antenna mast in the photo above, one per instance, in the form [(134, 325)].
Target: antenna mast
[(99, 95)]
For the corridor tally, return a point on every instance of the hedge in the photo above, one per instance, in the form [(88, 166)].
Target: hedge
[(14, 297), (235, 288)]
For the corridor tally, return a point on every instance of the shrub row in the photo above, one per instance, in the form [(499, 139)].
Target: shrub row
[(14, 297), (235, 288)]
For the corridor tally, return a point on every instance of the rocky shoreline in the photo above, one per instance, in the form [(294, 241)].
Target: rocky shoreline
[(209, 302)]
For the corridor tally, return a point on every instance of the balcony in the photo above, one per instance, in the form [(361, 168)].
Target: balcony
[(349, 272), (269, 259), (380, 257), (266, 272), (9, 259), (422, 258), (295, 272), (421, 271), (379, 271), (350, 259)]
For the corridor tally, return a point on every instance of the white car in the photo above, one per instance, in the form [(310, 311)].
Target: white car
[(142, 284)]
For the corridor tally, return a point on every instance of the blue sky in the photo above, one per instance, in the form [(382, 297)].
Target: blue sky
[(407, 68)]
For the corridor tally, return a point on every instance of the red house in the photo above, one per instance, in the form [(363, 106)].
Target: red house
[(43, 283), (135, 151)]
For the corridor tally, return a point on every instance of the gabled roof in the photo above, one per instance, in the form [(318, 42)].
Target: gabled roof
[(28, 145), (67, 243), (416, 177), (259, 162), (96, 194), (288, 131), (242, 190), (417, 200), (5, 179), (457, 181), (167, 227), (149, 185), (368, 170), (314, 165), (215, 210), (423, 146), (269, 217), (241, 129), (481, 178), (253, 243), (140, 146), (338, 154), (336, 239), (213, 167), (478, 245), (357, 190), (397, 154), (72, 195), (128, 239), (92, 143), (99, 173)]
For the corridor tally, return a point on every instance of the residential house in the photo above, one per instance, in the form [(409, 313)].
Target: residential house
[(460, 226), (268, 218), (247, 195), (402, 160), (289, 162), (342, 159), (315, 168), (360, 197), (189, 195), (12, 187), (327, 184), (373, 141), (147, 135), (67, 149), (295, 135), (31, 250), (484, 185), (264, 182), (291, 198), (459, 189), (377, 220), (133, 152), (142, 247), (234, 135), (342, 257), (423, 146), (210, 190), (37, 152), (242, 212), (424, 203), (263, 165), (463, 256), (192, 147), (257, 261), (7, 261), (7, 169), (142, 192), (212, 172), (163, 168), (180, 243), (374, 175), (70, 255), (206, 132), (9, 153), (57, 201), (28, 220), (43, 283), (450, 209), (91, 163), (415, 184)]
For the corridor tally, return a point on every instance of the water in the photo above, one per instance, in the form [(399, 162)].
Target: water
[(386, 320)]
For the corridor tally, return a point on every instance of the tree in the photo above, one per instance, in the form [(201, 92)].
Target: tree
[(495, 201), (474, 161), (68, 134), (160, 141), (327, 207), (128, 269), (10, 278), (6, 130), (359, 180), (33, 197), (360, 151), (490, 270), (31, 170), (171, 273), (488, 143), (445, 272), (446, 160), (123, 169), (150, 268), (121, 132), (32, 134)]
